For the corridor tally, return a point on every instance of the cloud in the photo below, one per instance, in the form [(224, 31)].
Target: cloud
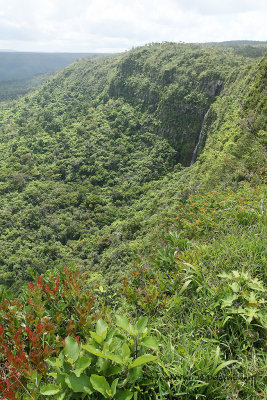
[(104, 25), (219, 7)]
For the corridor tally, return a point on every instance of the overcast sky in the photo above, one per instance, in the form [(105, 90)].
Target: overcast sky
[(118, 25)]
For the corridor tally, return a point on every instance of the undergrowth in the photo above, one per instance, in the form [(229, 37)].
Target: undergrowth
[(189, 323)]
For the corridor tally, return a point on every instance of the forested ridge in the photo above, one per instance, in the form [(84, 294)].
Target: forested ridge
[(13, 89), (96, 177)]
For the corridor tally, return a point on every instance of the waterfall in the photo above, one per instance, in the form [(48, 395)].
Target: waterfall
[(194, 156)]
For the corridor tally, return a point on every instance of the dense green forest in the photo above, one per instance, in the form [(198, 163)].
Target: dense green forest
[(10, 90), (22, 72), (164, 263)]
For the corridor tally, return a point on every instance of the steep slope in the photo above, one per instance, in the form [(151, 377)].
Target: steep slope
[(89, 160), (163, 284), (234, 140)]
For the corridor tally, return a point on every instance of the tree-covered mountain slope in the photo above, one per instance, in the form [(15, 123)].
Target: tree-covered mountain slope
[(10, 90), (89, 159), (146, 274)]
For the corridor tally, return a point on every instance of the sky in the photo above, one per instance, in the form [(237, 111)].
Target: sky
[(119, 25)]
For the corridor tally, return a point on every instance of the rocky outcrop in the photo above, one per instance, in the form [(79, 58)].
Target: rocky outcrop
[(213, 88)]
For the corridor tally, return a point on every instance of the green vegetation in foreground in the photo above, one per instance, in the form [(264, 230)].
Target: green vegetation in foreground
[(196, 306), (163, 291)]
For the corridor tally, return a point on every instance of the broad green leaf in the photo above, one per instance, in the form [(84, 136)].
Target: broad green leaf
[(114, 370), (146, 358), (228, 301), (101, 328), (79, 384), (100, 384), (142, 324), (102, 365), (71, 349), (256, 285), (236, 274), (50, 390), (150, 342), (223, 365), (251, 313), (60, 378), (93, 350), (123, 323), (97, 338), (134, 374), (235, 287), (123, 395), (125, 351), (81, 365), (53, 374), (113, 357), (55, 362), (252, 299), (114, 387)]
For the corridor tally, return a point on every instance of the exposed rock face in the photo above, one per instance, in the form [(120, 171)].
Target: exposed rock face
[(213, 88)]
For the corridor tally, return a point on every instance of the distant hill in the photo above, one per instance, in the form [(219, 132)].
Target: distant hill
[(20, 65), (246, 48), (10, 90), (240, 43)]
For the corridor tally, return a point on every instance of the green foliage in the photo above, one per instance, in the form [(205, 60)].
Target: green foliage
[(245, 297), (192, 297), (94, 174), (109, 363), (130, 122), (11, 90), (33, 326)]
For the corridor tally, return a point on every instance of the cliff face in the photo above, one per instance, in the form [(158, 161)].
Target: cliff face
[(234, 140), (174, 86), (86, 158)]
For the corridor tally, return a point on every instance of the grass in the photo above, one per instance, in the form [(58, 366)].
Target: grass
[(209, 350)]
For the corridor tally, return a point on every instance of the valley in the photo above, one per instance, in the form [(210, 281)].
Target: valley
[(132, 192)]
